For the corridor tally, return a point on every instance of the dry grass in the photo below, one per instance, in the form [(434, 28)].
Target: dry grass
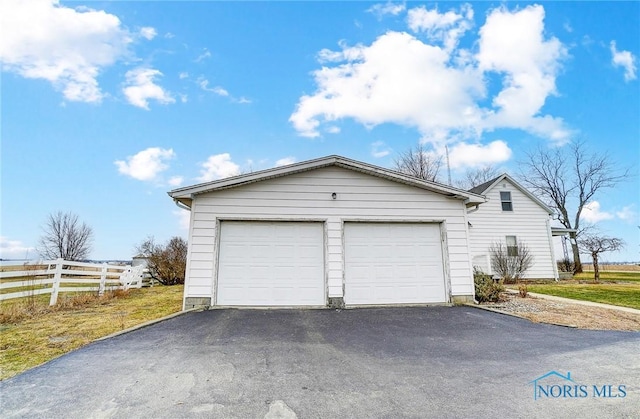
[(32, 333), (613, 268), (570, 314)]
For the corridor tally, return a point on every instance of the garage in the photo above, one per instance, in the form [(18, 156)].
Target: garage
[(329, 232), (271, 264), (393, 263)]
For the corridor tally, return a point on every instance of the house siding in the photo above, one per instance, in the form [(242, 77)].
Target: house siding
[(528, 221), (307, 196)]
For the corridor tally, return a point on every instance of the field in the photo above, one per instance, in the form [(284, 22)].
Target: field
[(610, 276), (613, 268), (33, 333)]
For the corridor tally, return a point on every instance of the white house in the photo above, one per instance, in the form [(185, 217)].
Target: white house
[(510, 216), (327, 232)]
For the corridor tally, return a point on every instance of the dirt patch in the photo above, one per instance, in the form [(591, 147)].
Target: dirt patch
[(567, 314)]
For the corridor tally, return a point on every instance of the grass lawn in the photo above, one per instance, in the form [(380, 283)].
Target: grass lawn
[(610, 276), (32, 340), (626, 295)]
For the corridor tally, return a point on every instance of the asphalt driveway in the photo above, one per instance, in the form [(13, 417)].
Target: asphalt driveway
[(392, 362)]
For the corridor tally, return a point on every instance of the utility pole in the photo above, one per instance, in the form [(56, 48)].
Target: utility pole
[(446, 148)]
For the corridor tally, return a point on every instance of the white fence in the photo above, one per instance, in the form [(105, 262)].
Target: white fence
[(56, 276)]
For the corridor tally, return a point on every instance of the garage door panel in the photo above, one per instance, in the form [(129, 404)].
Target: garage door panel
[(271, 264), (393, 264)]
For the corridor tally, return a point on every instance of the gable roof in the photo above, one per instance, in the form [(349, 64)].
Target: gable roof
[(186, 194), (484, 188)]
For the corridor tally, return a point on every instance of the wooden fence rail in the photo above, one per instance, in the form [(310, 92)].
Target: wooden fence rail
[(56, 276)]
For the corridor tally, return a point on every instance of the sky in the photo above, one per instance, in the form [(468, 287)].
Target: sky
[(106, 106)]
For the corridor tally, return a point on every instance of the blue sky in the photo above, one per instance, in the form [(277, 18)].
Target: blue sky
[(108, 105)]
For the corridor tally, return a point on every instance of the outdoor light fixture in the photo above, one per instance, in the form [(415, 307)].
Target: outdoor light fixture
[(334, 195)]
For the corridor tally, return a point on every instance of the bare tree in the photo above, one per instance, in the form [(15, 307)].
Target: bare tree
[(509, 262), (475, 177), (420, 163), (568, 179), (594, 245), (65, 237), (167, 263)]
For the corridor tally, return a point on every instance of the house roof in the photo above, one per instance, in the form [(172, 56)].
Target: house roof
[(484, 188), (186, 194), (480, 189)]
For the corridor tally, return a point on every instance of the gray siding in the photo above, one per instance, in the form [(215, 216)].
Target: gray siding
[(307, 196), (528, 222)]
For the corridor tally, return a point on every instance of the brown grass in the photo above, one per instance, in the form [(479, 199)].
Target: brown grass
[(613, 268), (568, 314), (33, 333)]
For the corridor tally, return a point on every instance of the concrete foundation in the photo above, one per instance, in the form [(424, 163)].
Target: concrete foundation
[(335, 302), (462, 299), (197, 302)]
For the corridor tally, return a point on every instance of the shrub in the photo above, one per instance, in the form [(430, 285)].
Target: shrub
[(566, 265), (167, 263), (523, 291), (510, 262), (487, 288)]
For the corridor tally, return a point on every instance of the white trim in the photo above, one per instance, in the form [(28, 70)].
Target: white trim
[(553, 252), (520, 188), (186, 194)]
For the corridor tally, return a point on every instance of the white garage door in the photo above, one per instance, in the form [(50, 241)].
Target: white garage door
[(393, 263), (271, 264)]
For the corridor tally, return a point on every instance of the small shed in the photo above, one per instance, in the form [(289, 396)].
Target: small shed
[(139, 260)]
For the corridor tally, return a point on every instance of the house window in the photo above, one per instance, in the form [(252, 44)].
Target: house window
[(512, 246), (505, 198)]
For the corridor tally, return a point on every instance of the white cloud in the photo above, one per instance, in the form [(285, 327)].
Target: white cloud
[(15, 249), (221, 91), (628, 213), (148, 32), (379, 149), (398, 79), (183, 75), (624, 59), (147, 164), (184, 218), (175, 181), (441, 27), (333, 129), (65, 46), (388, 8), (285, 161), (140, 88), (441, 89), (591, 213), (242, 100), (463, 155), (204, 85), (567, 27), (218, 166), (205, 54), (513, 44)]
